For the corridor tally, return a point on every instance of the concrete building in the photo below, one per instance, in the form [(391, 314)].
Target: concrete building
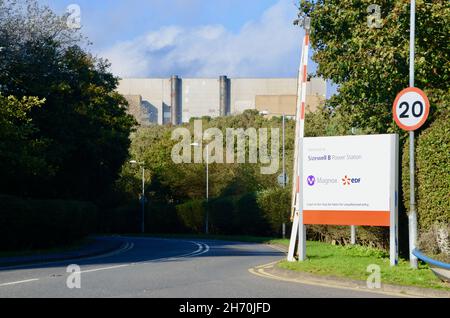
[(176, 100)]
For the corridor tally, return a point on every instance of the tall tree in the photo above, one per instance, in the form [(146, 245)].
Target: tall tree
[(366, 52), (83, 119)]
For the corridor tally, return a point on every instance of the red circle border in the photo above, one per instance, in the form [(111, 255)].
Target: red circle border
[(427, 108)]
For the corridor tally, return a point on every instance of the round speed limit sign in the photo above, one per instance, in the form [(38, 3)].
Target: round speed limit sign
[(411, 109)]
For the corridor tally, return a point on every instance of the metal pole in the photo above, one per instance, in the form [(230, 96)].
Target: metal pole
[(353, 234), (207, 190), (413, 213), (143, 199), (353, 227)]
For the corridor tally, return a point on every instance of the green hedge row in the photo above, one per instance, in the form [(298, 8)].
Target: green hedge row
[(126, 219), (33, 224), (260, 213), (432, 174)]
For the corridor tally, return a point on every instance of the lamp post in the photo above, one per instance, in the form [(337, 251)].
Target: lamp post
[(207, 185), (266, 113), (141, 164)]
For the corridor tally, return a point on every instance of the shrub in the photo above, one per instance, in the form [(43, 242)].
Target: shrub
[(432, 174), (191, 215), (377, 237), (30, 224), (121, 220), (250, 216), (223, 216), (275, 205)]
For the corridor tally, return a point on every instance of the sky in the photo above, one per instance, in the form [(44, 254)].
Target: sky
[(192, 38)]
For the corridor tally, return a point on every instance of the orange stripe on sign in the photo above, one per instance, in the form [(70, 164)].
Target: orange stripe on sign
[(302, 116), (306, 40), (305, 74), (362, 218)]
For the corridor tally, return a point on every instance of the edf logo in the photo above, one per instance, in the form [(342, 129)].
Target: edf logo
[(346, 181)]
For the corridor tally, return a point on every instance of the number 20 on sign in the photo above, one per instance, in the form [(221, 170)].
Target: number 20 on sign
[(411, 109)]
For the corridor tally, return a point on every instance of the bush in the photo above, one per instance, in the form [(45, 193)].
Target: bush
[(432, 174), (31, 224), (223, 216), (376, 237), (250, 216), (191, 215), (162, 218), (435, 242), (275, 205), (122, 220)]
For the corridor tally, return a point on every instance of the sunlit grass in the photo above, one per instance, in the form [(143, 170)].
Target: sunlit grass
[(352, 262)]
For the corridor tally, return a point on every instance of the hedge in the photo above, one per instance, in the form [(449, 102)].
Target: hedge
[(191, 215), (432, 174), (32, 224), (234, 215), (275, 205)]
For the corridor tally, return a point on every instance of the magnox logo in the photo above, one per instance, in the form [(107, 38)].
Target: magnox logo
[(346, 181), (311, 180)]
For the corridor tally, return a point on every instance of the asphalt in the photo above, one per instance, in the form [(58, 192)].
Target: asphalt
[(165, 268)]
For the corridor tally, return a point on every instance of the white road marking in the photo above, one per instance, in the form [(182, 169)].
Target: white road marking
[(202, 249), (19, 282), (125, 247), (104, 268)]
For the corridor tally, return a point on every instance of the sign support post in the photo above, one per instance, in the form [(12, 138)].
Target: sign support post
[(298, 227), (412, 213), (393, 229)]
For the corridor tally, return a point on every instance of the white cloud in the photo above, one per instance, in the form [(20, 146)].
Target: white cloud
[(269, 46)]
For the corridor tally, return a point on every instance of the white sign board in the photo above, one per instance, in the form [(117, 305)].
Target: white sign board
[(351, 180)]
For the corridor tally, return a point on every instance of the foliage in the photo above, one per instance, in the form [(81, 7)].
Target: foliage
[(433, 173), (275, 204), (19, 154), (33, 224), (352, 262), (371, 65), (192, 214), (82, 121), (435, 242)]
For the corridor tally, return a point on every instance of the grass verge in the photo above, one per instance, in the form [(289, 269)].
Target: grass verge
[(352, 262)]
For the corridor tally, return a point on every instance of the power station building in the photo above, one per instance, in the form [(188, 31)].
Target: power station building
[(176, 100)]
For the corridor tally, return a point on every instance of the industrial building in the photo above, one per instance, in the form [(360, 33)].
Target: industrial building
[(176, 100)]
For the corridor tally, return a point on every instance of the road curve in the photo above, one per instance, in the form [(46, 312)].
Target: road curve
[(152, 267)]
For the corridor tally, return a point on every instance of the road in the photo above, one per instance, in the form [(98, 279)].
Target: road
[(150, 267)]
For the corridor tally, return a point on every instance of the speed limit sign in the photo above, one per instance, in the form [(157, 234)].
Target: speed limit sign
[(411, 109)]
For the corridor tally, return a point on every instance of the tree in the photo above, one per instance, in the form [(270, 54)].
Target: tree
[(19, 154), (371, 65), (83, 119)]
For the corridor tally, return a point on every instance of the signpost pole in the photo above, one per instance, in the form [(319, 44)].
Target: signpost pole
[(353, 234), (412, 213), (393, 204)]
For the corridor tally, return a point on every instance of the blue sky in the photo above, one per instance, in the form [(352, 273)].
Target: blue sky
[(192, 38)]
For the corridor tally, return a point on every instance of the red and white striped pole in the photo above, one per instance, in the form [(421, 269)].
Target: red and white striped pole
[(298, 229)]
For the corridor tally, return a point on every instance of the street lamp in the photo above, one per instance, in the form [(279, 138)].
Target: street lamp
[(134, 162), (196, 144), (266, 113)]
